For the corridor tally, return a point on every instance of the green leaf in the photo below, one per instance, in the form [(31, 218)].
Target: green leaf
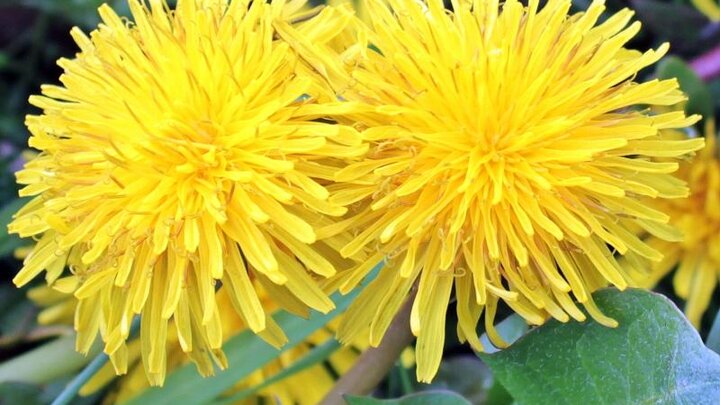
[(713, 339), (469, 377), (498, 395), (700, 100), (8, 242), (32, 366), (714, 88), (510, 329), (654, 357), (246, 352), (17, 316), (20, 393), (316, 355), (421, 398)]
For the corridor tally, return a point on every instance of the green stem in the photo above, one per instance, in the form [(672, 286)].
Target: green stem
[(405, 382), (71, 390), (69, 393)]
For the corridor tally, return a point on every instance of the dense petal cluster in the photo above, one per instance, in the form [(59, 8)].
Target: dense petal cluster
[(710, 8), (307, 387), (182, 150), (253, 155), (512, 153), (695, 250)]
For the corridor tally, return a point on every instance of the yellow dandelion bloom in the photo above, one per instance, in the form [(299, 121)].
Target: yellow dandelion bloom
[(181, 150), (358, 7), (697, 253), (710, 8), (307, 387), (510, 150)]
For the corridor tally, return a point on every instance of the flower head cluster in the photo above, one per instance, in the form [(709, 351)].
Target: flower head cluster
[(695, 248), (510, 156), (307, 387), (183, 150), (505, 152)]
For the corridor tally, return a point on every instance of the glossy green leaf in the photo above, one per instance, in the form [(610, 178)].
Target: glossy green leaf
[(420, 398), (700, 100), (654, 357)]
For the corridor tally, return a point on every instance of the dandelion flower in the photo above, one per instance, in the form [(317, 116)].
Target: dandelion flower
[(696, 249), (177, 153), (306, 387), (710, 8), (510, 149), (357, 6)]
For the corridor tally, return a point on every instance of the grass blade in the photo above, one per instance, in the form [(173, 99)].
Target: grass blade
[(316, 355), (246, 352)]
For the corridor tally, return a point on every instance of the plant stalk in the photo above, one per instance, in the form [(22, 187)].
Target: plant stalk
[(374, 364)]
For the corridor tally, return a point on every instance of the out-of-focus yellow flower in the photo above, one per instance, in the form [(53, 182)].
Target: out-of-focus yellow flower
[(710, 8), (358, 6), (697, 253), (307, 387), (183, 149), (511, 153)]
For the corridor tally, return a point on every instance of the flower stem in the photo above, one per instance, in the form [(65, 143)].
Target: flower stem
[(375, 362), (68, 394), (405, 381)]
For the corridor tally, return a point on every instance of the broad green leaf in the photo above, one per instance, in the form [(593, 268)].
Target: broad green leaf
[(469, 377), (498, 395), (420, 398), (246, 352), (699, 99), (654, 357)]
